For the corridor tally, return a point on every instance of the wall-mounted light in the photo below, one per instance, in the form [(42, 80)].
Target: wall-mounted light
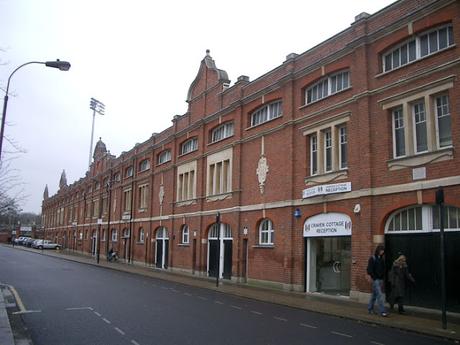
[(297, 213)]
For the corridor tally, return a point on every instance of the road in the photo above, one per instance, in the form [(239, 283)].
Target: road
[(69, 303)]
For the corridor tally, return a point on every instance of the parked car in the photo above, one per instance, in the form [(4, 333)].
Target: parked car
[(28, 242), (45, 244), (19, 240)]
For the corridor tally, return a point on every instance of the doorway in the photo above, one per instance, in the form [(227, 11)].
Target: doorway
[(220, 251), (162, 248)]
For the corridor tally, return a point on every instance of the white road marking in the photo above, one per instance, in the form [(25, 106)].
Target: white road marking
[(202, 298), (26, 312), (308, 326), (174, 290), (218, 302), (106, 321), (165, 287), (236, 307), (119, 331), (79, 308), (256, 312), (134, 342), (98, 314), (17, 298), (376, 343), (280, 318), (187, 294), (342, 334)]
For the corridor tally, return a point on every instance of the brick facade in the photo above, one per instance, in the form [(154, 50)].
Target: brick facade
[(380, 183)]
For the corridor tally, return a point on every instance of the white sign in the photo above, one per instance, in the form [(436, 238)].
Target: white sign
[(419, 173), (126, 217), (327, 224), (99, 221), (326, 189)]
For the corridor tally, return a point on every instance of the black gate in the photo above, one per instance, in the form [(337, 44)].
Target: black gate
[(165, 263), (422, 252), (227, 259)]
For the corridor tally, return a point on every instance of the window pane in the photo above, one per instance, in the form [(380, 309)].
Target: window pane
[(411, 215), (443, 38), (436, 210), (346, 77), (404, 54), (398, 222), (420, 127), (423, 45), (388, 65), (396, 58), (433, 42), (412, 51), (343, 148), (418, 218), (451, 35), (398, 119), (339, 82), (444, 121), (333, 84), (404, 220)]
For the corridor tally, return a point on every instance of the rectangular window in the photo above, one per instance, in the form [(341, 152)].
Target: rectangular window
[(443, 121), (219, 174), (343, 158), (421, 140), (143, 196), (328, 150), (127, 199), (186, 185), (313, 154), (398, 130)]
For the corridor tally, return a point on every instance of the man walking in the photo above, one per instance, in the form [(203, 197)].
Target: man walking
[(376, 274)]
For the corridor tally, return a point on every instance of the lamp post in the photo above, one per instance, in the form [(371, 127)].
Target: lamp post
[(96, 107), (61, 65)]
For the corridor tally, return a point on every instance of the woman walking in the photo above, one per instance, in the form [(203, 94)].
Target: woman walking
[(398, 276)]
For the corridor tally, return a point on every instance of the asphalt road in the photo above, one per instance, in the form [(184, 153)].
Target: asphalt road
[(70, 303)]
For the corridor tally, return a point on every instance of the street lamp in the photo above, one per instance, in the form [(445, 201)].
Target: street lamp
[(96, 107), (61, 65)]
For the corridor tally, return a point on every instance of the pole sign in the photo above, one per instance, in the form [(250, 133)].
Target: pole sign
[(325, 189), (327, 224)]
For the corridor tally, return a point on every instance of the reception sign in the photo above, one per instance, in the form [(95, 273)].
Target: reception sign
[(325, 189), (327, 224)]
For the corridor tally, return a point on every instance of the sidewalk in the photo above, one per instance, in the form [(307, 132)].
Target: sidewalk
[(426, 322)]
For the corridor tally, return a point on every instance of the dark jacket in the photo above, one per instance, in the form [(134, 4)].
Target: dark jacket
[(398, 277), (376, 267)]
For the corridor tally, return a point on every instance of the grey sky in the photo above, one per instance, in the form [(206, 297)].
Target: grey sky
[(138, 57)]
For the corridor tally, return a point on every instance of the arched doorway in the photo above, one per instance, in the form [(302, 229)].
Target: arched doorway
[(162, 248), (414, 232), (220, 250)]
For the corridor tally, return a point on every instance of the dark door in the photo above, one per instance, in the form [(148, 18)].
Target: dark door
[(159, 253), (423, 258), (194, 256), (227, 259), (213, 257), (244, 262), (165, 263)]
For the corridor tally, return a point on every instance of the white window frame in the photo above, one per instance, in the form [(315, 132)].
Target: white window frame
[(188, 146), (129, 171), (185, 234), (143, 196), (114, 235), (314, 154), (437, 117), (324, 87), (141, 235), (416, 122), (328, 147), (267, 112), (418, 48), (398, 111), (127, 201), (343, 142), (222, 132), (266, 228), (219, 181), (186, 182), (164, 156)]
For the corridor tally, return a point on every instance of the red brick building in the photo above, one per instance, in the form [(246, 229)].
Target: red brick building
[(310, 166)]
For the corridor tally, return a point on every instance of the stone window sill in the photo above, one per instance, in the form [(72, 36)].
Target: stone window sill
[(421, 159)]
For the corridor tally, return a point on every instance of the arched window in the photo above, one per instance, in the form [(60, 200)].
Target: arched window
[(126, 233), (141, 235), (424, 218), (162, 233), (221, 132), (226, 232), (266, 232), (114, 235), (185, 234), (266, 113), (144, 165)]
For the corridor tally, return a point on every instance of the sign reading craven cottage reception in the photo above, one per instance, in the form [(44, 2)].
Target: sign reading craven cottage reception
[(326, 189), (327, 224)]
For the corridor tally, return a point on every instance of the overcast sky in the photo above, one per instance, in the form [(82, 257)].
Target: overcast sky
[(139, 58)]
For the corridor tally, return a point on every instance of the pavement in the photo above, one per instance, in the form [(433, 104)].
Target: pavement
[(423, 321)]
